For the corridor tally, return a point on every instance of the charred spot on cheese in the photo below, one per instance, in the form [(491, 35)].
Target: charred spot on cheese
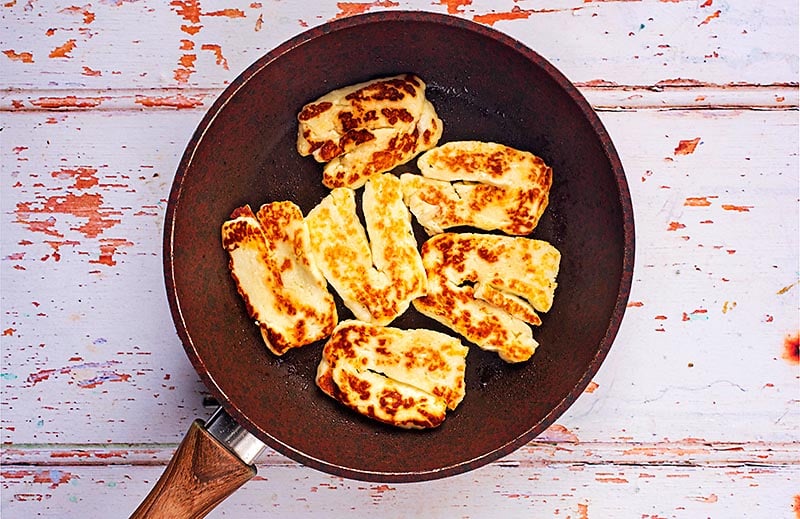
[(271, 264), (489, 288), (480, 184), (368, 128), (406, 378), (377, 277)]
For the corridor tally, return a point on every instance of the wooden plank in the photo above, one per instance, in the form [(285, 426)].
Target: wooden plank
[(715, 199), (149, 44), (551, 490), (664, 96), (555, 445)]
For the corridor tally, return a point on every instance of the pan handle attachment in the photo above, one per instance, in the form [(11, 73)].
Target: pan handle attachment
[(211, 462)]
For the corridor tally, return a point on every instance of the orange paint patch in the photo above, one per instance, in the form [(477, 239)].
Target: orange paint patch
[(674, 226), (710, 17), (700, 313), (454, 6), (558, 433), (53, 477), (259, 22), (54, 103), (698, 201), (88, 206), (56, 246), (687, 147), (738, 208), (354, 8), (84, 177), (187, 60), (491, 18), (727, 306), (182, 75), (635, 304), (41, 215), (88, 16), (191, 29), (583, 511), (592, 387), (598, 83), (603, 479), (707, 3), (228, 13), (108, 247), (46, 226), (189, 10), (713, 498), (9, 332), (187, 45), (90, 72), (660, 451), (63, 51), (785, 289), (796, 506), (24, 57), (791, 349), (176, 101), (217, 50)]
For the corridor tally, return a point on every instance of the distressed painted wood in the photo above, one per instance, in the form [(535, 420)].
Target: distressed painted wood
[(207, 43), (695, 412), (549, 490)]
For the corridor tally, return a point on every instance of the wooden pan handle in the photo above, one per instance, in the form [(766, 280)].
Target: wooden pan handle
[(200, 475)]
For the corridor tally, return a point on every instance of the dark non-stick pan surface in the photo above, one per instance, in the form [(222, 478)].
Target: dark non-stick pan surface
[(485, 86)]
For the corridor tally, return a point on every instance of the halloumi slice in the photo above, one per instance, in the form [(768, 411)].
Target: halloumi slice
[(406, 378), (271, 263), (485, 185), (368, 128), (377, 277), (488, 288)]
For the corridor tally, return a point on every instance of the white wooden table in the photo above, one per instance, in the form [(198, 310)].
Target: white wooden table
[(695, 411)]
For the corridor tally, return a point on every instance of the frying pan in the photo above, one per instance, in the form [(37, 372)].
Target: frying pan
[(485, 86)]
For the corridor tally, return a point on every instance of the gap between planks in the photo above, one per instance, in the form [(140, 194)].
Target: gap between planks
[(601, 96), (684, 453)]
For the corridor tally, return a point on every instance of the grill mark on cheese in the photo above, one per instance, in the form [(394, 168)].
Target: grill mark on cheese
[(481, 184), (283, 291), (368, 128), (406, 378), (478, 287), (313, 110)]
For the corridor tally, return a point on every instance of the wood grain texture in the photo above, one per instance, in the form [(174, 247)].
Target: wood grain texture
[(694, 413), (200, 475)]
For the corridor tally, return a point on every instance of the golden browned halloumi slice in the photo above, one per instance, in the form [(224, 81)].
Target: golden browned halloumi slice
[(407, 378), (377, 277), (480, 184), (368, 128), (271, 263), (488, 287)]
